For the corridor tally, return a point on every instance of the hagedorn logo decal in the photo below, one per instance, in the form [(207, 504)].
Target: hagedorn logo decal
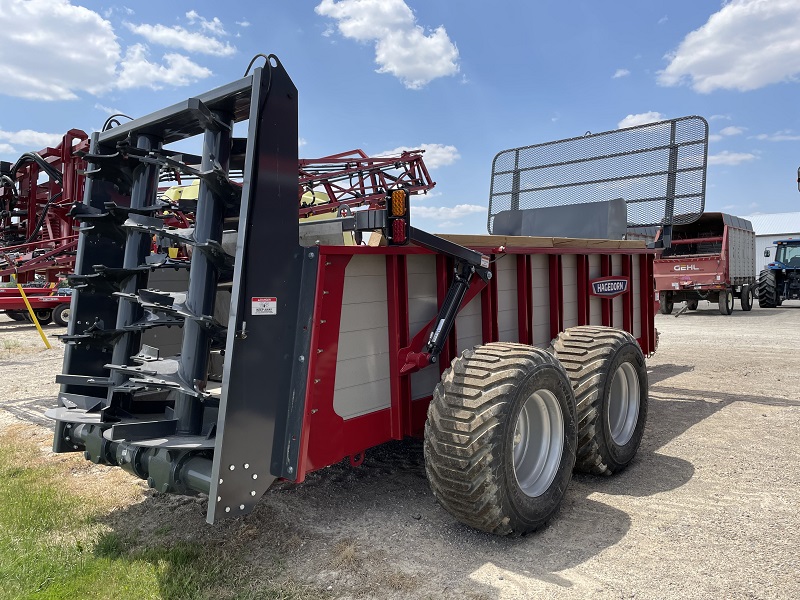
[(608, 287)]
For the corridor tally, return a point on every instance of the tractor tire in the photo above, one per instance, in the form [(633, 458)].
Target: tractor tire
[(726, 302), (15, 315), (692, 304), (767, 289), (746, 299), (666, 303), (61, 315), (609, 377), (500, 438), (43, 315)]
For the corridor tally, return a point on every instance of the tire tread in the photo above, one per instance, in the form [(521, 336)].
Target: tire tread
[(462, 428), (767, 289), (573, 347)]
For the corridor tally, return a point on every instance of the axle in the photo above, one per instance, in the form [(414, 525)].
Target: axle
[(172, 470)]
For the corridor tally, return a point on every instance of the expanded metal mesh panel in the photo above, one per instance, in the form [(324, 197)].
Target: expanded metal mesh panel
[(659, 169)]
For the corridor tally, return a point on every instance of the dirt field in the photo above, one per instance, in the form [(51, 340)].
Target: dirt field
[(708, 510)]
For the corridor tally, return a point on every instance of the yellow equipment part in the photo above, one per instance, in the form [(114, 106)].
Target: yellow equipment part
[(183, 192)]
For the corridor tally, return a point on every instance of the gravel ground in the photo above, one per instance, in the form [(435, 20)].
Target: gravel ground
[(707, 510)]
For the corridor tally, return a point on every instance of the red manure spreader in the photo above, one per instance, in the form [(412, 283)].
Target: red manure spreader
[(281, 345)]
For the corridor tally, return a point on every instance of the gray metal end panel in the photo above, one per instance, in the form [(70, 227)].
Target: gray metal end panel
[(261, 388), (593, 220)]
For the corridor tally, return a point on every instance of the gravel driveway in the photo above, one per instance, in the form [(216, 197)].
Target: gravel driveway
[(709, 509)]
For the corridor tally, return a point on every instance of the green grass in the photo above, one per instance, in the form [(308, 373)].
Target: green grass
[(54, 545), (10, 345)]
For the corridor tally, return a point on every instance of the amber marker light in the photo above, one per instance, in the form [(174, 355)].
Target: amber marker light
[(399, 203)]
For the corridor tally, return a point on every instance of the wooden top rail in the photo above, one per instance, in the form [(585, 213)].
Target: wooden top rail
[(513, 241)]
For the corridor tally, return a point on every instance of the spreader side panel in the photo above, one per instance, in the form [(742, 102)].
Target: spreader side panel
[(362, 365)]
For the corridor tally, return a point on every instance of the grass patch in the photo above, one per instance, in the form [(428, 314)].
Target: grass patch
[(55, 543), (345, 555), (401, 581), (10, 346)]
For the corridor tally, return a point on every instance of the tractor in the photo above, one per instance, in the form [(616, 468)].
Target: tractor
[(781, 279)]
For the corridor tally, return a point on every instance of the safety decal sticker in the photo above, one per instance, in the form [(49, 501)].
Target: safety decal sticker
[(264, 306)]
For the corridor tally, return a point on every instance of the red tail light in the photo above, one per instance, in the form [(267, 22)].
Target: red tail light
[(399, 233)]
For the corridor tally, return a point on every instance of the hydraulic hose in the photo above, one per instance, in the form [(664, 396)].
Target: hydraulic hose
[(54, 173)]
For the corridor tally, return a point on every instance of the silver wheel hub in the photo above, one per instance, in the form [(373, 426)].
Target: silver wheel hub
[(538, 443), (623, 404)]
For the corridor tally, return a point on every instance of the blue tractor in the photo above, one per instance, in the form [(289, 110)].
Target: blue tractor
[(781, 279)]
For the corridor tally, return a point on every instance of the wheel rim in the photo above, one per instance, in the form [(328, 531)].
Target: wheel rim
[(65, 315), (623, 404), (538, 443)]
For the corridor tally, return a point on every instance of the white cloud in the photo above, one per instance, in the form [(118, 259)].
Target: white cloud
[(445, 213), (450, 224), (137, 70), (40, 62), (428, 195), (719, 117), (730, 158), (243, 23), (746, 45), (640, 119), (214, 26), (786, 135), (179, 37), (663, 20), (436, 155), (301, 142), (7, 149), (726, 132), (109, 12), (620, 73), (402, 48), (732, 130), (29, 139), (106, 109)]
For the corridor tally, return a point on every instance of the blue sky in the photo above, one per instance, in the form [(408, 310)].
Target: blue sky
[(464, 80)]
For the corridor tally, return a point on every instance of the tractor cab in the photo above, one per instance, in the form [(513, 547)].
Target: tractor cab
[(787, 254)]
